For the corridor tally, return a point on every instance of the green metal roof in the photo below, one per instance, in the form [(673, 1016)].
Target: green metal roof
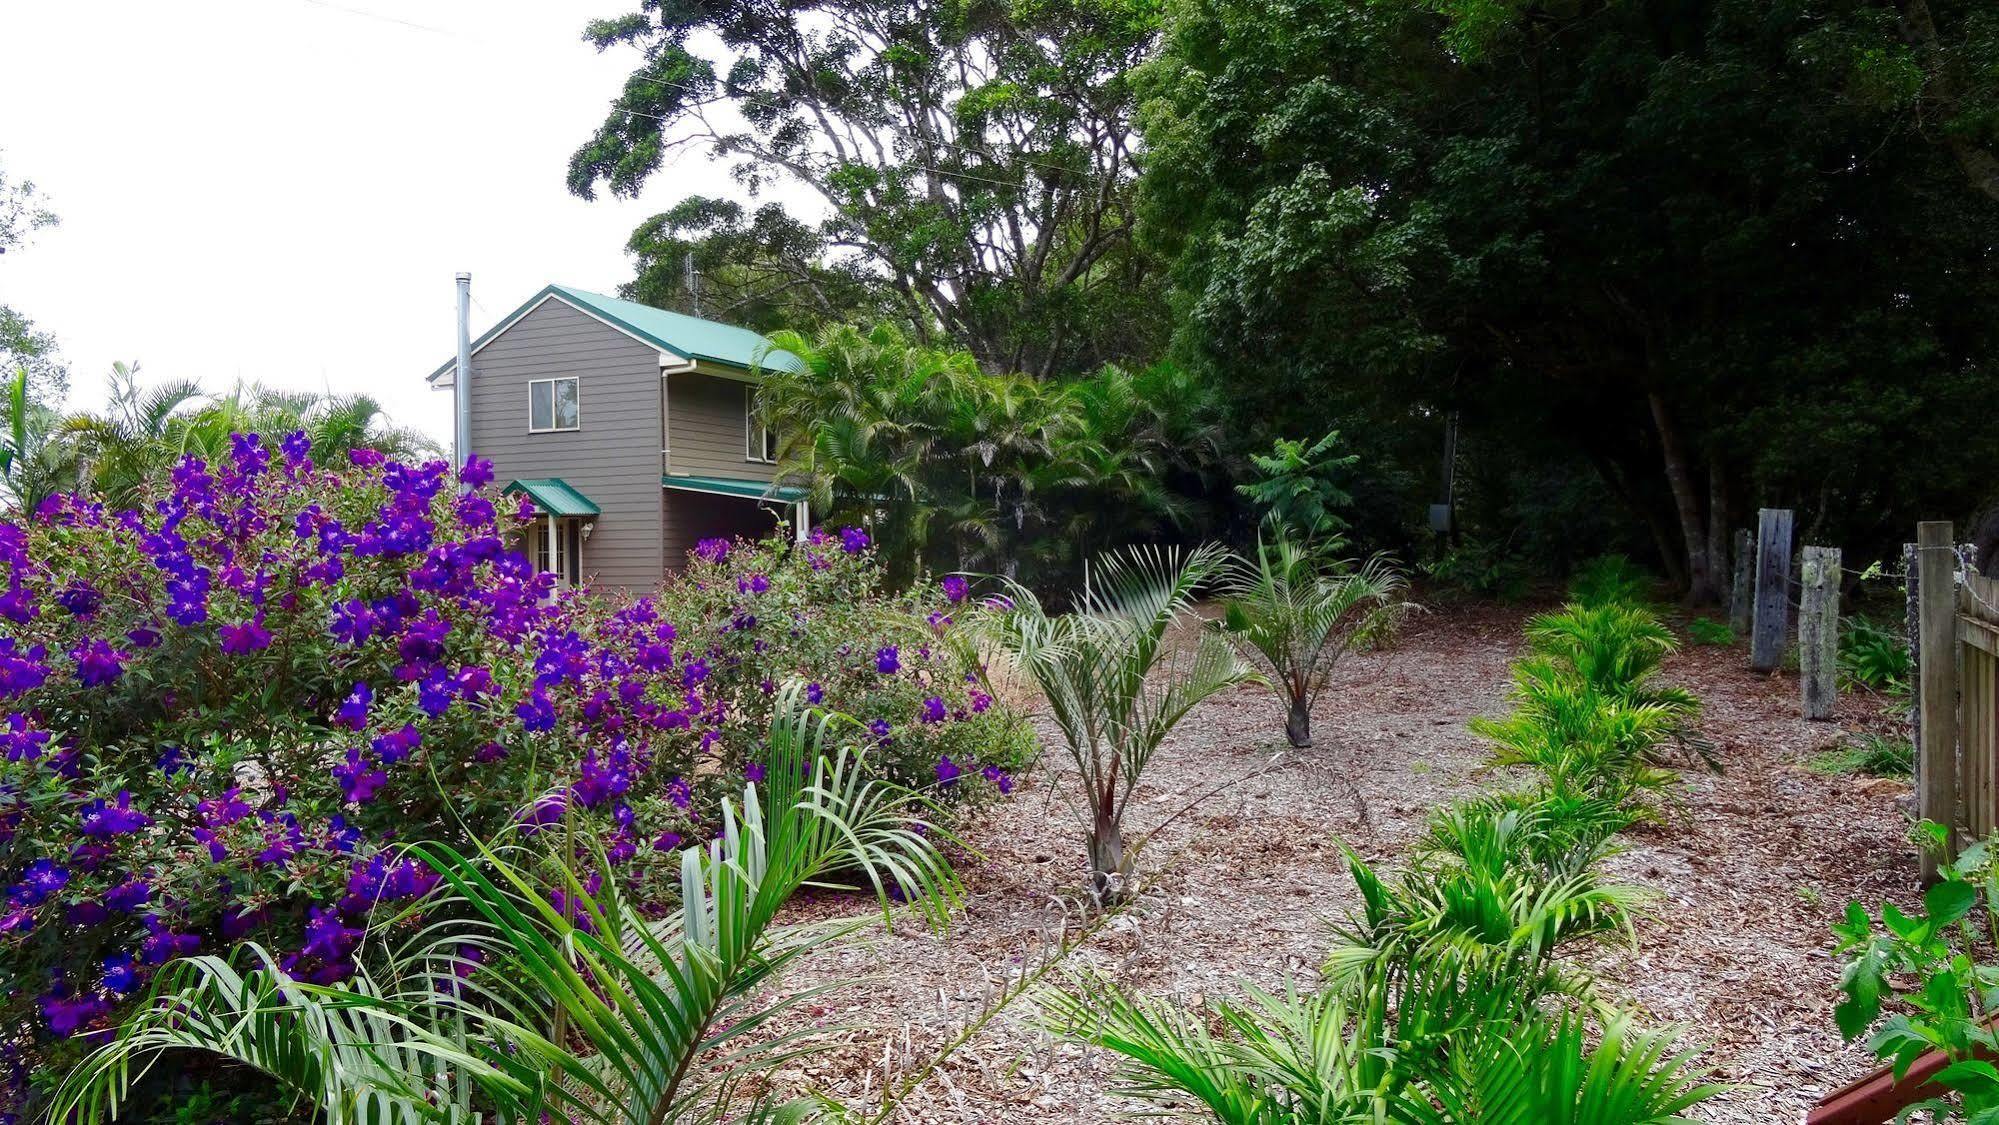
[(724, 486), (554, 496), (708, 341)]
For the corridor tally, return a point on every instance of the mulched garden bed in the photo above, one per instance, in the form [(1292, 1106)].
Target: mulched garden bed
[(1751, 871)]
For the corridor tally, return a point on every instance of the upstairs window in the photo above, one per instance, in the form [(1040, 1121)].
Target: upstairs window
[(759, 440), (552, 405)]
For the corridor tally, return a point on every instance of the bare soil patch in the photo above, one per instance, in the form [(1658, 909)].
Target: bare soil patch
[(1750, 873)]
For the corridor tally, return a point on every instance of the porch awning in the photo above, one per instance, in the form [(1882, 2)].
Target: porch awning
[(746, 489), (554, 496)]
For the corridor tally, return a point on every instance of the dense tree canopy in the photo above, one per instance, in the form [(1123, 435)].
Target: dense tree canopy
[(1660, 238), (973, 161)]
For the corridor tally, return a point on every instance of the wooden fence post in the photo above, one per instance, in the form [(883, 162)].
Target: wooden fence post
[(1742, 596), (1773, 589), (1936, 696), (1818, 631)]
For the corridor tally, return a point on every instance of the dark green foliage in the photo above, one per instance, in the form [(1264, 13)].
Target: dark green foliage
[(974, 164), (1711, 631), (960, 469), (1297, 486), (1874, 656), (1875, 755), (1665, 245), (1611, 580), (1482, 568)]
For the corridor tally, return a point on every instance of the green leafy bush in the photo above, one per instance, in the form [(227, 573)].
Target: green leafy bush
[(1874, 656), (1875, 755), (1611, 580), (1923, 981), (1483, 569), (1711, 631)]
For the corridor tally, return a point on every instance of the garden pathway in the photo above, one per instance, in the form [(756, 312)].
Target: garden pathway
[(1242, 885)]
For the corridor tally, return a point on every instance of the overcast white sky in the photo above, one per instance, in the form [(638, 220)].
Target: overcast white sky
[(281, 190)]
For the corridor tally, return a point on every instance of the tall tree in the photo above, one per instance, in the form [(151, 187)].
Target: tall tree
[(973, 159), (23, 347), (1648, 236)]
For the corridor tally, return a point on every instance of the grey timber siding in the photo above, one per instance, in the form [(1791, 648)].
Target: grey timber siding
[(704, 423), (613, 457)]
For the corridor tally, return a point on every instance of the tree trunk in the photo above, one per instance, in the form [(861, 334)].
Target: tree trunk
[(1107, 859), (1298, 725), (1718, 563), (1687, 502)]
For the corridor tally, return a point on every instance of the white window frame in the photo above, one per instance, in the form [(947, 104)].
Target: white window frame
[(753, 429), (533, 383)]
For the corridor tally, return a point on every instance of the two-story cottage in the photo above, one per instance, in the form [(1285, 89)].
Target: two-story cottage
[(631, 429)]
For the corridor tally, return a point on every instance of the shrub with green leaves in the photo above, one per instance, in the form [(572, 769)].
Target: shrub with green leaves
[(1443, 1000), (1874, 755), (1711, 631), (1874, 656), (1921, 982), (1611, 580)]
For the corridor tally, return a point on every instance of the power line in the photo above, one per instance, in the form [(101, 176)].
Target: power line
[(330, 6)]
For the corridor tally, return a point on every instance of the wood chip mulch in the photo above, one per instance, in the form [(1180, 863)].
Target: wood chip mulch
[(1239, 887)]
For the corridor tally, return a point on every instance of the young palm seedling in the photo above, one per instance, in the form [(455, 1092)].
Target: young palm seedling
[(1117, 681), (1296, 613)]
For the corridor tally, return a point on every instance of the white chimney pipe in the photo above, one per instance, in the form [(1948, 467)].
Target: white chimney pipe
[(461, 383)]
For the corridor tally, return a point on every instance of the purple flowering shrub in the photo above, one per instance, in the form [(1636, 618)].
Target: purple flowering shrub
[(220, 711), (818, 611)]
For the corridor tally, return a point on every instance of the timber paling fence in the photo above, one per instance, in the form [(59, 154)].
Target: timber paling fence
[(1956, 647), (1954, 636)]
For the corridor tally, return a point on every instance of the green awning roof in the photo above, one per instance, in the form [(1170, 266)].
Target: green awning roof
[(747, 489), (554, 496)]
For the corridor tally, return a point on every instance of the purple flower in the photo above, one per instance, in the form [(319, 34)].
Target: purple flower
[(752, 584), (477, 472), (397, 745), (353, 713), (666, 842), (954, 588), (680, 792), (246, 637), (880, 729), (933, 710), (853, 540), (102, 821), (296, 447), (43, 878), (888, 660), (327, 938), (754, 773), (814, 694), (120, 974), (97, 663), (19, 741), (67, 1013), (998, 777), (712, 550), (358, 778), (536, 712), (80, 598), (695, 672), (947, 771), (129, 896)]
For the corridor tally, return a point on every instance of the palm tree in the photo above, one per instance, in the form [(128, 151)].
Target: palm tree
[(131, 442), (35, 460), (1299, 614), (574, 1002), (1117, 681)]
